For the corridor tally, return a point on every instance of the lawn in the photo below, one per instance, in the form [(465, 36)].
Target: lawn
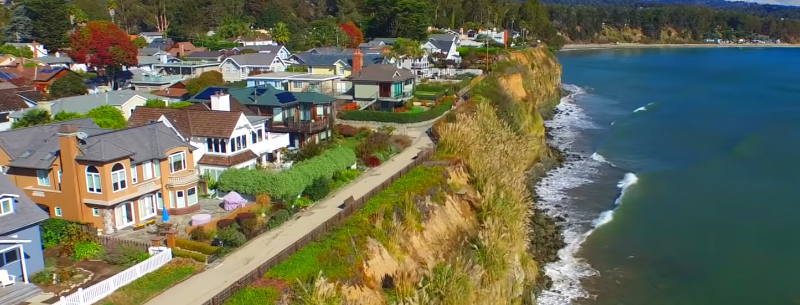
[(415, 109), (154, 283), (255, 295)]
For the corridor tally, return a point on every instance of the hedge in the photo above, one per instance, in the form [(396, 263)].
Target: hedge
[(391, 117), (195, 246), (197, 256), (288, 183)]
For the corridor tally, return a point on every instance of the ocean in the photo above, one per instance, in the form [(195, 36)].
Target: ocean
[(682, 180)]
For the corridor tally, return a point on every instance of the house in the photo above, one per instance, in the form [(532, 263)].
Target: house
[(150, 36), (10, 102), (59, 61), (384, 41), (41, 76), (301, 82), (216, 56), (164, 44), (164, 75), (124, 100), (146, 62), (113, 179), (238, 67), (447, 49), (20, 241), (334, 64), (387, 84), (174, 93), (181, 49), (37, 49), (305, 116), (282, 51), (226, 133), (452, 36), (262, 40)]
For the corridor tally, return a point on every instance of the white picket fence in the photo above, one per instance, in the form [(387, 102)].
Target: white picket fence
[(103, 289)]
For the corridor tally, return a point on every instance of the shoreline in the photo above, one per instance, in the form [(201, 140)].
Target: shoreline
[(589, 46)]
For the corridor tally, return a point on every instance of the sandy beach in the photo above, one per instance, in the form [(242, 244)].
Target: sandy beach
[(570, 47)]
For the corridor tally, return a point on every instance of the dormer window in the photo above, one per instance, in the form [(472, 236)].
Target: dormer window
[(6, 206)]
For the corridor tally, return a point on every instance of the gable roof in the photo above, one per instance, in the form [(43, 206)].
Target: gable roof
[(253, 59), (10, 101), (446, 37), (206, 54), (311, 59), (55, 60), (444, 45), (84, 103), (189, 122), (39, 73), (387, 41), (382, 73), (25, 213), (161, 43), (137, 143)]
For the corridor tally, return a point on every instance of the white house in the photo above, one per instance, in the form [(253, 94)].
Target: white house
[(242, 41), (282, 51), (448, 48), (225, 138), (238, 67), (150, 36)]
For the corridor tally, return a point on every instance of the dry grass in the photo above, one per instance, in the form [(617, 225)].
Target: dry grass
[(322, 292)]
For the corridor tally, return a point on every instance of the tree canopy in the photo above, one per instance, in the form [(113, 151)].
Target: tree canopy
[(206, 79), (70, 84), (50, 23), (15, 51), (20, 26), (33, 117), (104, 44), (107, 116)]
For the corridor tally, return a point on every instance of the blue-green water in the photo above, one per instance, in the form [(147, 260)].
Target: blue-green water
[(711, 209)]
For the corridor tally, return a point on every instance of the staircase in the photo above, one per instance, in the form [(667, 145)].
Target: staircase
[(18, 293)]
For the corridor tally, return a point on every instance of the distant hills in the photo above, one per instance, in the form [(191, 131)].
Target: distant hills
[(762, 10)]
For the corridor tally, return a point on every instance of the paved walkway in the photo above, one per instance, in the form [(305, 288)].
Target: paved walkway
[(202, 287)]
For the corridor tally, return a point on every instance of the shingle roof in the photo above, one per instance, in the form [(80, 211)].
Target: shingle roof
[(448, 37), (147, 60), (36, 147), (44, 73), (266, 49), (444, 45), (84, 103), (254, 59), (386, 40), (55, 60), (25, 213), (149, 51), (228, 161), (271, 96), (205, 54), (10, 101), (311, 59), (189, 122), (139, 143), (382, 73), (236, 106)]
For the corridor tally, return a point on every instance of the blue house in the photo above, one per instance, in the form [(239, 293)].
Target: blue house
[(20, 241)]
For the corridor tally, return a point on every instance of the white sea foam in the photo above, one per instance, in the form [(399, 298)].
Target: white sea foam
[(567, 272), (643, 108)]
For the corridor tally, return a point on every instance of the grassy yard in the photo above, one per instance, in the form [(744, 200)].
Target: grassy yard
[(416, 109), (255, 295), (154, 283)]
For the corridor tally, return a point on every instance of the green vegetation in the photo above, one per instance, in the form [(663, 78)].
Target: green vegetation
[(288, 183), (145, 288), (196, 246), (205, 80), (254, 295), (338, 253), (70, 84), (392, 117), (196, 256), (107, 116)]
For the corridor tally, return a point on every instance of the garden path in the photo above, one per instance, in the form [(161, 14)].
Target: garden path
[(204, 286)]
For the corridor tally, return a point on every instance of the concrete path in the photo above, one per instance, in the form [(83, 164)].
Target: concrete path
[(202, 287)]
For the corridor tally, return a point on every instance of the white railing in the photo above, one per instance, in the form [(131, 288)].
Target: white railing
[(103, 289)]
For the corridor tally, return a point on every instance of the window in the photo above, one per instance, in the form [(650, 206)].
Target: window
[(147, 207), (160, 200), (297, 84), (9, 257), (311, 70), (177, 162), (277, 114), (341, 70), (192, 195), (6, 206), (43, 177), (216, 145), (93, 180), (239, 143), (147, 170), (134, 175), (227, 69), (95, 212), (157, 168), (58, 211), (3, 169), (124, 215), (180, 201), (118, 178), (260, 134)]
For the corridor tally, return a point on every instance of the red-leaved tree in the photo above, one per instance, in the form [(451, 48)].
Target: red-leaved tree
[(103, 44), (355, 34)]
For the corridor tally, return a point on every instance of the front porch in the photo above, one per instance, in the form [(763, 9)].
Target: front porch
[(18, 293)]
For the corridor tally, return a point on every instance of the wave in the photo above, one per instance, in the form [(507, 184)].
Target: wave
[(643, 108), (567, 272)]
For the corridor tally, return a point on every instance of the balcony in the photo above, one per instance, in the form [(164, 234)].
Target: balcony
[(184, 177), (159, 79), (402, 96), (320, 124)]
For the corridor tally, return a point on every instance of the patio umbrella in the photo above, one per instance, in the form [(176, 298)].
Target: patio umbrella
[(164, 215)]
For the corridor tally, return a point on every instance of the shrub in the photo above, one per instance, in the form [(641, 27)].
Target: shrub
[(264, 200), (346, 131), (225, 223), (310, 150), (44, 277), (231, 237), (280, 217), (364, 131), (126, 255), (288, 183), (375, 142), (195, 246), (200, 233), (319, 189), (57, 232), (372, 161), (403, 118), (303, 202), (86, 250), (346, 175), (247, 222), (400, 141), (197, 256)]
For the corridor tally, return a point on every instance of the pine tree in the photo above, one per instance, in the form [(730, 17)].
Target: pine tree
[(20, 26)]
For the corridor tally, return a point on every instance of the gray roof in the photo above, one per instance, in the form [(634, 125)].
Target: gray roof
[(55, 60), (385, 40), (36, 147), (25, 213), (151, 33), (149, 51), (141, 144), (205, 54), (254, 59), (147, 60), (450, 37), (330, 50), (382, 73), (265, 49), (84, 103), (311, 59), (444, 45), (161, 43)]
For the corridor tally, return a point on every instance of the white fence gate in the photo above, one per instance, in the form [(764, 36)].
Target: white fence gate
[(103, 289)]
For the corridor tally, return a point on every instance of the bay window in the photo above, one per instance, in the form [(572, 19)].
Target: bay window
[(118, 178)]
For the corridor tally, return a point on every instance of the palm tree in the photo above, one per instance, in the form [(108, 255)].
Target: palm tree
[(112, 9), (33, 117), (280, 33)]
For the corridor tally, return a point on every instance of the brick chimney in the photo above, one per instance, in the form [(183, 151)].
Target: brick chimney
[(358, 61), (221, 101)]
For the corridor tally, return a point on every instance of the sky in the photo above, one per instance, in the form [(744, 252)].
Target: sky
[(778, 2)]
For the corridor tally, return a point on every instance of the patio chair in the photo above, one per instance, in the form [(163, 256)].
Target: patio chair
[(163, 228), (6, 279)]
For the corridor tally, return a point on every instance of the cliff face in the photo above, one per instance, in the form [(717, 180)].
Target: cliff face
[(470, 243)]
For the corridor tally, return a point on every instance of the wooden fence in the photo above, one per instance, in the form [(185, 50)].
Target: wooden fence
[(350, 206)]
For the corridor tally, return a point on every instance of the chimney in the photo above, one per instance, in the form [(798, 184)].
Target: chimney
[(163, 58), (20, 66), (45, 104), (35, 50), (68, 146), (221, 101), (358, 61)]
